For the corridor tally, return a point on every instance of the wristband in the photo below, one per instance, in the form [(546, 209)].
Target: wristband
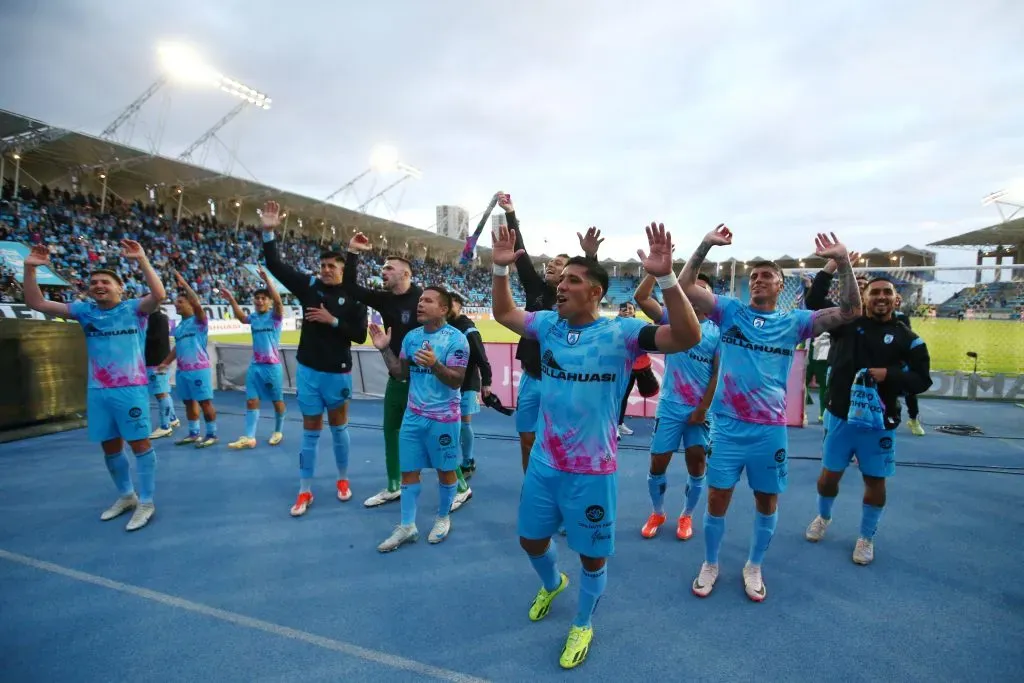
[(667, 281), (335, 323), (268, 236), (500, 270)]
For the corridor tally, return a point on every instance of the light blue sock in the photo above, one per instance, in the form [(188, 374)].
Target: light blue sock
[(825, 506), (120, 472), (546, 566), (342, 440), (278, 421), (166, 411), (714, 532), (146, 463), (193, 427), (410, 494), (444, 505), (869, 521), (467, 443), (694, 487), (657, 485), (307, 456), (211, 429), (592, 585), (252, 418), (764, 529)]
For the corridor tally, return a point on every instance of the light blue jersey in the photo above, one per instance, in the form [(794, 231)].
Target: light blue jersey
[(429, 397), (584, 374), (190, 344), (688, 373), (115, 339), (756, 357), (266, 337)]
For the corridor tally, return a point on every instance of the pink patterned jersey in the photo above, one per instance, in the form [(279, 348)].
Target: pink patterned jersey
[(115, 339), (429, 396)]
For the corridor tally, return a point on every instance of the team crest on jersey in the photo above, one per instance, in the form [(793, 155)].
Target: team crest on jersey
[(758, 322), (405, 317), (425, 344), (888, 338), (341, 301), (572, 337)]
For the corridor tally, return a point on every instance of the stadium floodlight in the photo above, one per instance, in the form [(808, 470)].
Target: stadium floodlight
[(184, 65), (383, 158)]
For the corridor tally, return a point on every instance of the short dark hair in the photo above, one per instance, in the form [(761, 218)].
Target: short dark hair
[(262, 290), (332, 256), (109, 273), (562, 256), (705, 278), (880, 278), (446, 297), (595, 271), (768, 264), (404, 260)]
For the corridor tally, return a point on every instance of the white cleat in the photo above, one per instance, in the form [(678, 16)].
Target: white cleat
[(175, 423), (243, 442), (275, 438), (816, 529), (705, 580), (461, 499), (161, 432), (442, 525), (864, 551), (753, 583), (625, 431), (120, 506), (381, 498), (399, 537), (140, 518)]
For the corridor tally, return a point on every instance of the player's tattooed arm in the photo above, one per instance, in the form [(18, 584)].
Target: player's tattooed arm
[(450, 376), (702, 299), (849, 308)]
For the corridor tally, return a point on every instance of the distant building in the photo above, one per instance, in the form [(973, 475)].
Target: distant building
[(453, 221)]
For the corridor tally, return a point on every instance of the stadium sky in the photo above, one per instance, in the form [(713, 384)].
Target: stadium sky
[(884, 122)]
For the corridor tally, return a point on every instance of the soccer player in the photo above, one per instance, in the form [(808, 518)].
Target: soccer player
[(748, 426), (265, 377), (585, 365), (688, 387), (897, 360), (540, 296), (194, 379), (118, 402), (433, 359), (477, 383), (913, 409), (323, 376), (158, 347)]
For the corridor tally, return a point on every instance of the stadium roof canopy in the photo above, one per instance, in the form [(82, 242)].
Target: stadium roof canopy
[(51, 155), (1008, 233)]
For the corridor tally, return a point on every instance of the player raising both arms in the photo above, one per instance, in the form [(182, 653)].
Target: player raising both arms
[(748, 424), (323, 373), (585, 363), (118, 399), (265, 377)]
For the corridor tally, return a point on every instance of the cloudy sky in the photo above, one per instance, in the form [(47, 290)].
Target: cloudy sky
[(884, 122)]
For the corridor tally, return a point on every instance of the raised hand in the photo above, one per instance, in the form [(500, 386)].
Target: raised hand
[(505, 202), (659, 262), (359, 242), (263, 274), (503, 247), (226, 293), (425, 357), (721, 236), (829, 247), (590, 242), (271, 215), (132, 250), (379, 337), (180, 280), (39, 256)]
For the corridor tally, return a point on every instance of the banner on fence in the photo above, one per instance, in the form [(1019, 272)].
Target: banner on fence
[(13, 255)]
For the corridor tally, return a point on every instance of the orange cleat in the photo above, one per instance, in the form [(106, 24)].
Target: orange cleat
[(684, 529), (344, 492), (654, 522), (301, 504)]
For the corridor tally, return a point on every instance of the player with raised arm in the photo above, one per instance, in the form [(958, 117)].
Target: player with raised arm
[(880, 347), (585, 365), (323, 376), (158, 347), (265, 377), (118, 400), (194, 380), (433, 360), (748, 425), (688, 387)]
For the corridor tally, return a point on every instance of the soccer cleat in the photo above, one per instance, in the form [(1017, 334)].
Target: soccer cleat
[(243, 442), (302, 504), (864, 551), (461, 499), (577, 645), (705, 580), (542, 602), (191, 438), (275, 438), (651, 526), (753, 583), (816, 529), (161, 432), (381, 498), (442, 525), (207, 441), (140, 518), (915, 427), (469, 469), (625, 431), (684, 528), (175, 423), (344, 491), (120, 506), (399, 537)]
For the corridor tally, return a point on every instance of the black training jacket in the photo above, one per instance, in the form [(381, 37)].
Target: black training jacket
[(397, 311), (478, 372)]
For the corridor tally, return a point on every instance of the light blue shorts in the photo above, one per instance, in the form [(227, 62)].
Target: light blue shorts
[(671, 430), (584, 503), (195, 385), (759, 449), (875, 450), (265, 382), (122, 413), (320, 391), (158, 383), (427, 444), (470, 403), (527, 404)]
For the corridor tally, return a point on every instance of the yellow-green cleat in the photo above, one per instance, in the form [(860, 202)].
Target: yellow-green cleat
[(542, 603), (915, 427), (577, 645)]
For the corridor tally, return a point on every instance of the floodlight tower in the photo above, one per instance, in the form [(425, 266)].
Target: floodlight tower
[(383, 158), (132, 109), (1000, 199)]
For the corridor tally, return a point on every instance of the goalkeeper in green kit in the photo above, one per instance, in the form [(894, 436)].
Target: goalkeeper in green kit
[(397, 308)]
